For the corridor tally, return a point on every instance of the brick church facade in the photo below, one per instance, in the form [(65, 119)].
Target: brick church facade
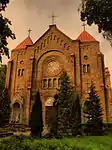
[(38, 65)]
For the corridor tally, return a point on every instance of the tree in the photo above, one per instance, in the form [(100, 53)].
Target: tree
[(76, 115), (5, 31), (93, 113), (36, 121), (65, 106), (98, 12), (2, 76), (4, 108)]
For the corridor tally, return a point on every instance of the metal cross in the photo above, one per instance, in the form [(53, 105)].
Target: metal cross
[(84, 25), (29, 31), (53, 18)]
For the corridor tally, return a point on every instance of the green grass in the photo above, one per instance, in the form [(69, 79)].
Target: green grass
[(82, 143)]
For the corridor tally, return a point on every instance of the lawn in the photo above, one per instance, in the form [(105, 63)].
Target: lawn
[(76, 143)]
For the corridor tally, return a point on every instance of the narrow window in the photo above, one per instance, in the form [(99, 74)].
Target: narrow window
[(49, 83), (58, 40), (44, 83), (22, 73), (64, 45), (51, 37), (59, 82), (54, 82), (84, 68), (19, 71), (55, 37), (88, 68)]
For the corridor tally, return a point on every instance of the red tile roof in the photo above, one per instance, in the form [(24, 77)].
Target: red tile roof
[(23, 44), (86, 37)]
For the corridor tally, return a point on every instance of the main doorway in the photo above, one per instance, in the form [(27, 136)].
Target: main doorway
[(50, 115)]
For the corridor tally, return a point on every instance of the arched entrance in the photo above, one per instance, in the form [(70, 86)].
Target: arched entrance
[(16, 112), (49, 107)]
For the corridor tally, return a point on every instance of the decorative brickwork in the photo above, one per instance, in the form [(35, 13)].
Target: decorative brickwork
[(41, 65)]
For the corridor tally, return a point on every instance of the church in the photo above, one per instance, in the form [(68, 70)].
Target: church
[(37, 66)]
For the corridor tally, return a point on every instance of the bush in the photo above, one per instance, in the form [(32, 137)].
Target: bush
[(28, 143)]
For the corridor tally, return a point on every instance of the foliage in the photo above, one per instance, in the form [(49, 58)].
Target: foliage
[(2, 76), (3, 4), (93, 113), (98, 12), (28, 143), (66, 104), (4, 107), (5, 31), (76, 115), (36, 122)]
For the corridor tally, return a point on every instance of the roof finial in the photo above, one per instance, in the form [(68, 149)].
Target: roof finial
[(84, 25), (29, 32), (53, 18)]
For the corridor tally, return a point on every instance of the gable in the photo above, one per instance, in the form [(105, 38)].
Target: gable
[(53, 38)]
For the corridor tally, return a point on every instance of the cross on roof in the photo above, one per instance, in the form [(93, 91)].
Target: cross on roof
[(29, 31), (53, 18), (84, 25)]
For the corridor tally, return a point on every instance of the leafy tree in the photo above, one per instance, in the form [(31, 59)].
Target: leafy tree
[(36, 122), (4, 108), (65, 107), (98, 12), (5, 31), (93, 113), (2, 76)]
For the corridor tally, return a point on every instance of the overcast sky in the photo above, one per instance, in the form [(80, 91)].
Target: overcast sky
[(34, 14)]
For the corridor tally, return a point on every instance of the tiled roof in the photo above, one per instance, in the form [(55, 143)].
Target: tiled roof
[(86, 37), (23, 44)]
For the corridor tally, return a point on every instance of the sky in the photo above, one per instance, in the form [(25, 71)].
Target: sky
[(35, 14)]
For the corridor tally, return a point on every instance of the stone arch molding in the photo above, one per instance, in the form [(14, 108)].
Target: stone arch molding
[(17, 99), (63, 59)]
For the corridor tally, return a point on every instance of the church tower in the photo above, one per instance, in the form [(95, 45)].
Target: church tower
[(39, 65)]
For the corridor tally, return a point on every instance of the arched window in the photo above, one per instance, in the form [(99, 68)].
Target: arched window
[(44, 83), (84, 68), (59, 82), (19, 72), (55, 37), (41, 46), (51, 37), (85, 57), (49, 83), (88, 68), (64, 45), (22, 72), (58, 40), (38, 47), (54, 83)]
